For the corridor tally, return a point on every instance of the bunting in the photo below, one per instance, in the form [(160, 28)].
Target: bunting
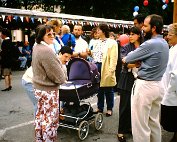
[(3, 17), (21, 17), (64, 21), (42, 20)]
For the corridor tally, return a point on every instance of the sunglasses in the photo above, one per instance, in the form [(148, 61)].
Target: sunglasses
[(51, 34)]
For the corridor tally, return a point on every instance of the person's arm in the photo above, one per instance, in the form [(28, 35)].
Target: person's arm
[(123, 51), (83, 52), (113, 57), (75, 54), (131, 66), (73, 41), (172, 87), (83, 55), (53, 68), (144, 51), (135, 65)]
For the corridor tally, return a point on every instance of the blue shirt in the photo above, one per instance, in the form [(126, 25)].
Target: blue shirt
[(153, 55), (65, 39)]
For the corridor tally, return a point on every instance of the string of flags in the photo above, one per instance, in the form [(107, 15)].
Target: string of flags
[(8, 15), (42, 20)]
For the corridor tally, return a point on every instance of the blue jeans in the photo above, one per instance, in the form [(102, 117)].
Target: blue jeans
[(30, 92), (23, 61), (109, 94)]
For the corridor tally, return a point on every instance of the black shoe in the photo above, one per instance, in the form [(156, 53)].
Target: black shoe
[(7, 89), (121, 138), (109, 113), (98, 111), (1, 77), (10, 87)]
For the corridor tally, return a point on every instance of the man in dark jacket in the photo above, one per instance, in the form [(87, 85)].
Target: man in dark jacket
[(6, 58)]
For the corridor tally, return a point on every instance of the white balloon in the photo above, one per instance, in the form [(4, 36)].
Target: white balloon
[(164, 6), (135, 13)]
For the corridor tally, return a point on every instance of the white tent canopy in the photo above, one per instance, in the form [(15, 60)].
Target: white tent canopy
[(39, 14)]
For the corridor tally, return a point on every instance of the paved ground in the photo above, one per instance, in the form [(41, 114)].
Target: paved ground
[(16, 119)]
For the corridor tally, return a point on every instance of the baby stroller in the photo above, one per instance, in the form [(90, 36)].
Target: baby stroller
[(83, 83)]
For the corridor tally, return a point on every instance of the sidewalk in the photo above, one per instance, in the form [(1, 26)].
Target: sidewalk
[(16, 119)]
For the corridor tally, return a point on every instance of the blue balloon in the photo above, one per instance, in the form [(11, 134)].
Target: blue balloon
[(136, 8), (164, 6)]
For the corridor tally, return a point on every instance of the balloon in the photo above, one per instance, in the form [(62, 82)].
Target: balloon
[(164, 6), (163, 1), (136, 8), (166, 1), (135, 13), (145, 3), (123, 39)]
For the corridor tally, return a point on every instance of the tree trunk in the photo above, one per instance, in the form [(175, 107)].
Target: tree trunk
[(175, 12)]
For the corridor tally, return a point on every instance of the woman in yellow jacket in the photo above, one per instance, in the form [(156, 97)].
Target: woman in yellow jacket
[(105, 55)]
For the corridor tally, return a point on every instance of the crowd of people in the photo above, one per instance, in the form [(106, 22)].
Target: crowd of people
[(139, 66)]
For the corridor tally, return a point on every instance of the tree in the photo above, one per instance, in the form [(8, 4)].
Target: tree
[(114, 9), (117, 9), (10, 3)]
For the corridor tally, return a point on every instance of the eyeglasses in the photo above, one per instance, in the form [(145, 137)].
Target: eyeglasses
[(170, 34), (51, 34)]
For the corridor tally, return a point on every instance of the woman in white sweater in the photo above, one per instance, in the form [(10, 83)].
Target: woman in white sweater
[(169, 102), (28, 86)]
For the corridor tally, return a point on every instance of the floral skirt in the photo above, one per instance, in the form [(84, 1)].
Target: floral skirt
[(47, 115)]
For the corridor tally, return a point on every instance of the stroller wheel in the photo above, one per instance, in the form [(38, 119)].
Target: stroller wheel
[(98, 121), (83, 130)]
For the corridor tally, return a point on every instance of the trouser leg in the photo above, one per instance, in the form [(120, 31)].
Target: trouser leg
[(109, 93), (30, 92), (124, 112), (100, 96), (145, 102)]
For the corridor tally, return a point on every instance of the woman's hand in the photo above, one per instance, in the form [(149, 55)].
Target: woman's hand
[(123, 60)]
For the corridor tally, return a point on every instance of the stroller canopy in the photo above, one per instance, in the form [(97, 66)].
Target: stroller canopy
[(80, 69)]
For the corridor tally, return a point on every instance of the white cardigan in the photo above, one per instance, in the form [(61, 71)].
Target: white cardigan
[(169, 79)]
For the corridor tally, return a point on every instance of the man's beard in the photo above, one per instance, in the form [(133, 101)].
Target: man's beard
[(77, 36), (148, 35)]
